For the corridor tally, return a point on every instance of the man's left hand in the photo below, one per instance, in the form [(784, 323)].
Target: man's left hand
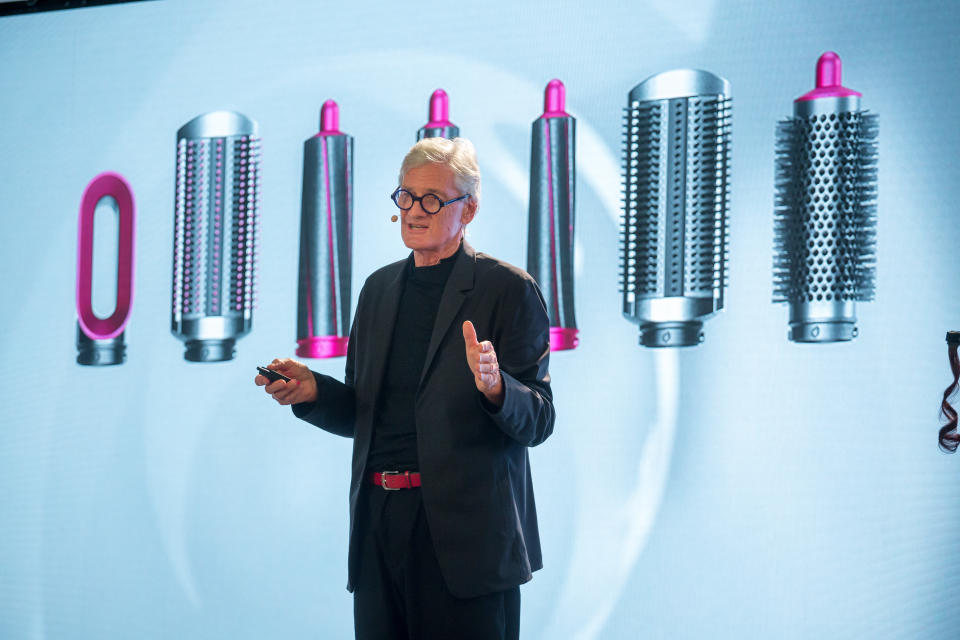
[(482, 360)]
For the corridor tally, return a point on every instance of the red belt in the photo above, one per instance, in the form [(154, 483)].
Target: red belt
[(393, 480)]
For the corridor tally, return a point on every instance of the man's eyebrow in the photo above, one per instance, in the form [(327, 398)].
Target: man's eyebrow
[(437, 193)]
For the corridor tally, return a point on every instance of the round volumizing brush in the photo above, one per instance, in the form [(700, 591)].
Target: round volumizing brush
[(439, 125), (551, 216), (673, 231), (326, 219), (214, 234), (100, 340), (825, 212)]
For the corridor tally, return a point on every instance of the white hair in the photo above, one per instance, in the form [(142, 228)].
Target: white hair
[(459, 154)]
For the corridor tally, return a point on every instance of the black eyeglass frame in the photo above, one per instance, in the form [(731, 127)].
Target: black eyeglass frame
[(415, 199)]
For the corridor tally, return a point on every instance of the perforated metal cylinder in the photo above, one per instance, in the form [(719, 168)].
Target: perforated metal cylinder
[(551, 216), (215, 231), (825, 213), (673, 230), (326, 220)]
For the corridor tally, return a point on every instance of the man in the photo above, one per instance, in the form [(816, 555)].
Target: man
[(443, 526)]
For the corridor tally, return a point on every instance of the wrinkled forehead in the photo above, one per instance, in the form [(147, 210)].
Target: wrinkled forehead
[(432, 177)]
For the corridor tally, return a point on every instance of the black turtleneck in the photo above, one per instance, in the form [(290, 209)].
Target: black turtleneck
[(394, 445)]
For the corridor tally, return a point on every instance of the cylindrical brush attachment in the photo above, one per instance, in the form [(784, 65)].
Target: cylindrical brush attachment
[(825, 212), (551, 216), (215, 231), (673, 231), (326, 223)]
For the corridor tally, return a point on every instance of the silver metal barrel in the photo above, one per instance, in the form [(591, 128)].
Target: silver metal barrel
[(674, 227)]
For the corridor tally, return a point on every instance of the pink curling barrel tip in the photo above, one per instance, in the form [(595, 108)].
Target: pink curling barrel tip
[(563, 339), (329, 119), (322, 347), (439, 110), (554, 100), (829, 85)]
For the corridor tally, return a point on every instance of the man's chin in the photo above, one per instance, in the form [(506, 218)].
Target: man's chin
[(413, 243)]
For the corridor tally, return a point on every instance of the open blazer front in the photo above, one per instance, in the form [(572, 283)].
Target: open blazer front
[(477, 492)]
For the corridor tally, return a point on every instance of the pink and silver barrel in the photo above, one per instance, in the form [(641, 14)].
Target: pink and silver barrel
[(551, 215), (439, 125), (825, 214), (215, 234), (326, 240)]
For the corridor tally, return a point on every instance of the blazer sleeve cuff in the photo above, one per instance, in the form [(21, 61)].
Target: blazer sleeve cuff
[(515, 418), (310, 411)]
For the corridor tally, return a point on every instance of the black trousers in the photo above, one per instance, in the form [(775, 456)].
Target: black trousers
[(400, 593)]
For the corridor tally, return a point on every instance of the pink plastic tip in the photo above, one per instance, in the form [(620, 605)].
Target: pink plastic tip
[(322, 347), (829, 69), (329, 118), (439, 110), (829, 84), (563, 339), (554, 100)]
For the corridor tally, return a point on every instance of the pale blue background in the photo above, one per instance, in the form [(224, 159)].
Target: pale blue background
[(746, 488)]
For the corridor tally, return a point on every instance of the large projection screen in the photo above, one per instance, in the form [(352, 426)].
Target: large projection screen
[(747, 487)]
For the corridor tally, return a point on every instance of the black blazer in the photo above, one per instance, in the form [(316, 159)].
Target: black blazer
[(477, 491)]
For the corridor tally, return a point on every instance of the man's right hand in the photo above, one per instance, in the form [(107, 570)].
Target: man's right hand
[(301, 388)]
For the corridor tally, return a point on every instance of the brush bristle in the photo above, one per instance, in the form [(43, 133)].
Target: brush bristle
[(825, 208), (700, 196), (638, 224)]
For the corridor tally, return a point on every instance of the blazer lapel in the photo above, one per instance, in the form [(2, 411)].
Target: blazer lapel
[(385, 319), (454, 293)]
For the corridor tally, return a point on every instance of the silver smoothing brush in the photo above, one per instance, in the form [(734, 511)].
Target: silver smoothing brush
[(214, 234), (439, 125), (326, 219), (825, 212), (674, 228), (551, 216)]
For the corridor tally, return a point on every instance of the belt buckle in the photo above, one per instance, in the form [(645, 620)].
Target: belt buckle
[(383, 480)]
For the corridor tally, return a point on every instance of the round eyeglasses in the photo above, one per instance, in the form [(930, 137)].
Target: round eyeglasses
[(429, 202)]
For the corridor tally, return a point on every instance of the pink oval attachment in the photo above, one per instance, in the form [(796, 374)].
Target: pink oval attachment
[(114, 185)]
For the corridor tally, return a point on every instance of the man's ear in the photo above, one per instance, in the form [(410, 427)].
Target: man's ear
[(469, 210)]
